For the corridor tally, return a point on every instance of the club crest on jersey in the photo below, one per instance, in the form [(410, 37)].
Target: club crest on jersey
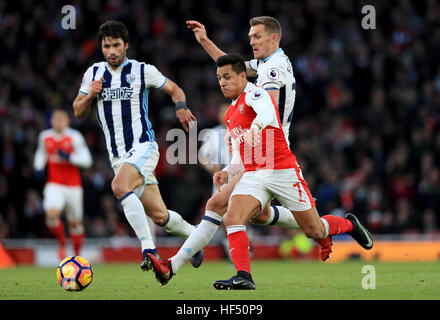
[(130, 78), (273, 74), (241, 108)]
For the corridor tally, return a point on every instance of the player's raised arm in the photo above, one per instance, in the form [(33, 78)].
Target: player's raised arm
[(209, 46), (201, 37), (183, 113)]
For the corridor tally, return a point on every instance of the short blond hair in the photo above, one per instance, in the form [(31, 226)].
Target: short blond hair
[(271, 24)]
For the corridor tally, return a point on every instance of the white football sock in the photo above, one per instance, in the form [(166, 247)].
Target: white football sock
[(198, 239), (135, 214), (282, 217), (177, 225), (326, 227)]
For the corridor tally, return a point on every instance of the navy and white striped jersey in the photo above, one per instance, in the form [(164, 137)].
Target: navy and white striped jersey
[(275, 72), (122, 105)]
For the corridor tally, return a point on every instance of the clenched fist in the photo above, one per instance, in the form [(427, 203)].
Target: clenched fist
[(220, 178), (96, 87)]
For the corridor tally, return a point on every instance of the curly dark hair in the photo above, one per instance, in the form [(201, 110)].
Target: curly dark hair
[(113, 29)]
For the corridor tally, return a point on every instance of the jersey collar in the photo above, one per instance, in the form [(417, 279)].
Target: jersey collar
[(246, 88), (276, 51), (127, 61)]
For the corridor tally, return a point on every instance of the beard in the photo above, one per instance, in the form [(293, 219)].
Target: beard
[(117, 62)]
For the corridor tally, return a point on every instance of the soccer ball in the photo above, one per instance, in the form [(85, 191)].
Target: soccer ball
[(74, 273)]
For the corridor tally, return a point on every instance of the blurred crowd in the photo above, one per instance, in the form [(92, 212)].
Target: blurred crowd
[(365, 126)]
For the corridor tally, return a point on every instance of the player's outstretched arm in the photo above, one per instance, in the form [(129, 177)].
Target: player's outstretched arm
[(209, 46), (184, 115), (201, 37)]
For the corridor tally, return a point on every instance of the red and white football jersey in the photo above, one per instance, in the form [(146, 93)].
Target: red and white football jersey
[(272, 152), (59, 170)]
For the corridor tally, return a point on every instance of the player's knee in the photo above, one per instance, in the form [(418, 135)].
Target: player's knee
[(119, 188), (262, 217), (217, 205), (159, 217), (228, 221), (52, 214), (156, 209), (314, 232), (231, 220)]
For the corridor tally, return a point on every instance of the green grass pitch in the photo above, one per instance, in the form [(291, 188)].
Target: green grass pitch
[(275, 280)]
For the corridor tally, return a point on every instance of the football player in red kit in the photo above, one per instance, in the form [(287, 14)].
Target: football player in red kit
[(64, 151), (270, 170)]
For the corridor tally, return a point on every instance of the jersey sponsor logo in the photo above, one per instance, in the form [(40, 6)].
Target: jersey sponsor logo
[(239, 133), (124, 93), (273, 74)]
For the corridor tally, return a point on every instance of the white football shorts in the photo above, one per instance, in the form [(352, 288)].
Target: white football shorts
[(286, 185), (67, 198), (144, 157)]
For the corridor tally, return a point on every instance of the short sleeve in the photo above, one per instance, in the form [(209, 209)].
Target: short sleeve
[(86, 81), (271, 76), (257, 97), (253, 64), (153, 77), (263, 106)]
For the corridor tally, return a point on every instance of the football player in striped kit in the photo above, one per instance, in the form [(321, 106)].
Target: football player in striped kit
[(63, 150), (121, 87)]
